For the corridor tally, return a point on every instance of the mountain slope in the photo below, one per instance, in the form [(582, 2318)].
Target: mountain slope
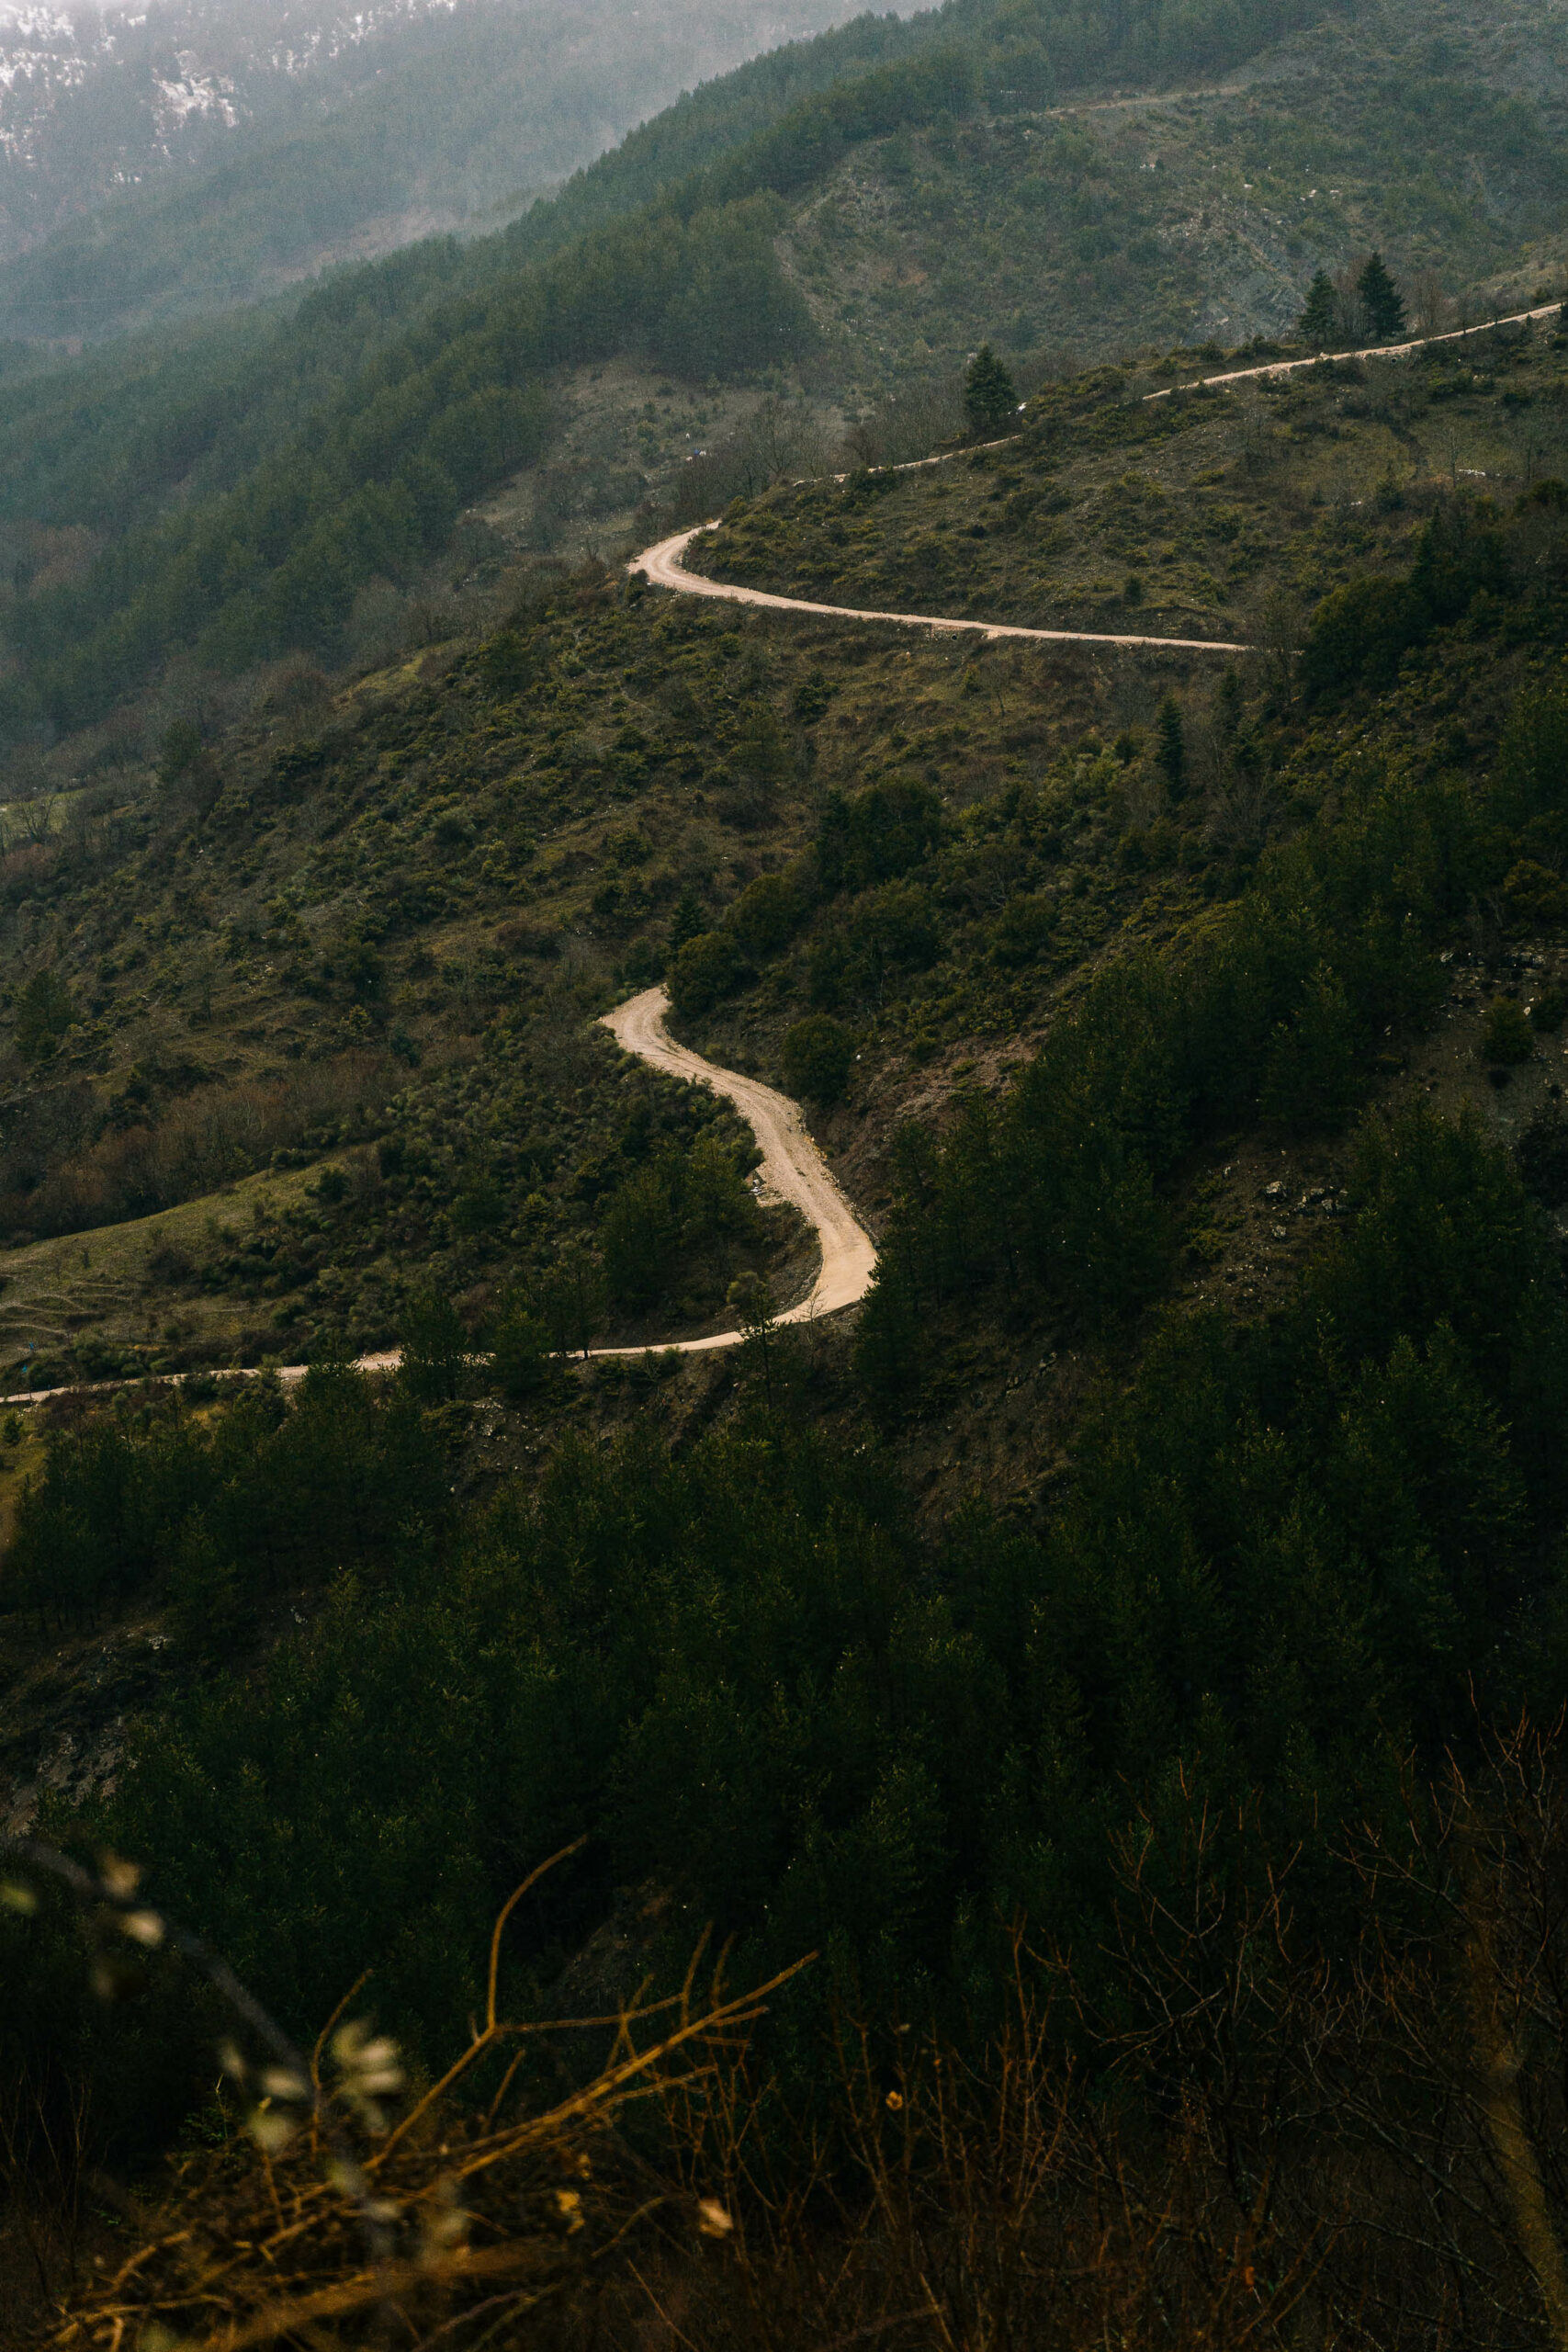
[(872, 229), (1096, 229), (415, 123), (1125, 1650), (1190, 1037), (294, 940)]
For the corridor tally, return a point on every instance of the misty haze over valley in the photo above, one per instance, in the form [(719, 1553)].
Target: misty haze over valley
[(261, 140)]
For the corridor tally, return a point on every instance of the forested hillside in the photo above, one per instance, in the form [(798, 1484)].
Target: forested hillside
[(1105, 1689), (228, 500), (1180, 1525)]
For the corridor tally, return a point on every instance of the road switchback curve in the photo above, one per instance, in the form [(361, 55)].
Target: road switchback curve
[(662, 566), (792, 1169)]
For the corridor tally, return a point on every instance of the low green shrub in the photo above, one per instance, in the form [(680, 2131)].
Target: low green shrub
[(818, 1056)]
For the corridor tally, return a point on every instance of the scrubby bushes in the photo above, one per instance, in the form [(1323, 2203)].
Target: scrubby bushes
[(707, 965), (877, 835), (765, 915), (817, 1055), (481, 1176), (889, 933), (705, 969), (81, 1163), (1059, 1193), (1507, 1036), (1361, 632)]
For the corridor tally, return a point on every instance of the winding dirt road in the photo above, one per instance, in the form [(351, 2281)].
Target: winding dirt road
[(792, 1168), (663, 566), (1372, 351)]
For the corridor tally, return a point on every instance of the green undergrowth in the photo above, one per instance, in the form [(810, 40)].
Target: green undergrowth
[(361, 934), (1279, 1566), (1269, 1011), (1075, 957), (1286, 1554), (1103, 229), (1224, 512), (359, 939)]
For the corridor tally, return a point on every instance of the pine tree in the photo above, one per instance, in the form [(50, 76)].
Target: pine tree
[(44, 1013), (1170, 746), (1317, 323), (1380, 300), (1310, 1079), (752, 1298), (435, 1349), (990, 396), (688, 921)]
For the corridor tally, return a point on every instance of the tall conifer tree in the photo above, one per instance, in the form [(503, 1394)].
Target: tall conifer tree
[(1170, 746), (1380, 299), (1319, 313), (990, 396), (688, 921)]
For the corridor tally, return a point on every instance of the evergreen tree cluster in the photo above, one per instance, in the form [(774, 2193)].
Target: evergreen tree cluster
[(1060, 1194), (373, 486), (1365, 306), (1290, 1554)]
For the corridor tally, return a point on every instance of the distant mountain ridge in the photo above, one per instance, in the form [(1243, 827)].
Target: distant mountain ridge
[(186, 157), (91, 104)]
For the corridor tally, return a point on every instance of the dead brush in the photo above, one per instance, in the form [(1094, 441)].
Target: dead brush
[(321, 2221), (1210, 2133), (943, 2204), (43, 2141)]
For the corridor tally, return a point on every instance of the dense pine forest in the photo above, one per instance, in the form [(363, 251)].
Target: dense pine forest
[(1029, 1811)]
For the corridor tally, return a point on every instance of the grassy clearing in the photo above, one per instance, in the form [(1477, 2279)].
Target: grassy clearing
[(111, 1287)]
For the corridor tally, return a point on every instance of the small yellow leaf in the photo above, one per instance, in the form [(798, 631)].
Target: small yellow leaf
[(271, 2131)]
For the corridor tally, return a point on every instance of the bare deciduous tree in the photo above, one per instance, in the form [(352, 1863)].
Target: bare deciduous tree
[(1430, 310)]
